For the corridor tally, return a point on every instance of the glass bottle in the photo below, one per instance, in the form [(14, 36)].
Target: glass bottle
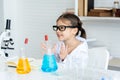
[(115, 7), (116, 4), (49, 63), (23, 66)]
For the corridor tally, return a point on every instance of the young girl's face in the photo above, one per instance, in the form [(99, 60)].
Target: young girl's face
[(68, 33)]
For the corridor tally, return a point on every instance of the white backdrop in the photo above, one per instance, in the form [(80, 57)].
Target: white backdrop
[(1, 16), (34, 18)]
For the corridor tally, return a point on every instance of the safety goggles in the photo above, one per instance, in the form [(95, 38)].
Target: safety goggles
[(62, 27)]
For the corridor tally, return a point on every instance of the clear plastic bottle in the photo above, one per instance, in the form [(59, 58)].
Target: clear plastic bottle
[(49, 63), (23, 66)]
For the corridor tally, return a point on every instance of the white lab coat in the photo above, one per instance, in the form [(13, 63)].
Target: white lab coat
[(77, 58)]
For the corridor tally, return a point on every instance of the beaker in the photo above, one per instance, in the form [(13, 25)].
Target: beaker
[(49, 63), (23, 65)]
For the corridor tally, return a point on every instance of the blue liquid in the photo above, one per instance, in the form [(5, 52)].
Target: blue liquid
[(49, 63)]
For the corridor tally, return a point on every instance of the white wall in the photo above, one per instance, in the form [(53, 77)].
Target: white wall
[(1, 16), (106, 32), (34, 19)]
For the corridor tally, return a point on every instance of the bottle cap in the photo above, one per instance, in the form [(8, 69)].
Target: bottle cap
[(26, 41), (46, 37)]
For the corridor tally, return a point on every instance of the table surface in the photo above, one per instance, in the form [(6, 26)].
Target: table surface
[(89, 74), (61, 74)]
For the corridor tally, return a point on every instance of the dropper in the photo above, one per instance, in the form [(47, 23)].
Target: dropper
[(46, 41), (48, 46), (24, 48), (25, 42)]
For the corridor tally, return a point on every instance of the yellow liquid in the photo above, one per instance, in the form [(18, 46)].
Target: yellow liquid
[(23, 66)]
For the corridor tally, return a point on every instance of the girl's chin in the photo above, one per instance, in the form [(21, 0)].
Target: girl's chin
[(60, 39)]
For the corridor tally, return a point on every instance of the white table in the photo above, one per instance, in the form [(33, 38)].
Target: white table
[(89, 74), (60, 74)]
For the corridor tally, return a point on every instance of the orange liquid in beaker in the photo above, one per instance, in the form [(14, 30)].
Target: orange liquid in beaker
[(23, 66)]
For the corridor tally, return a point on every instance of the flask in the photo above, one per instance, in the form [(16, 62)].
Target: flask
[(49, 63), (23, 66)]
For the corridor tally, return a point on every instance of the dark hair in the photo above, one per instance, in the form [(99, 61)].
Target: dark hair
[(75, 21)]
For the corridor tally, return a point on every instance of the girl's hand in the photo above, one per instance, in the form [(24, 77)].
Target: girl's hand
[(63, 51), (45, 47)]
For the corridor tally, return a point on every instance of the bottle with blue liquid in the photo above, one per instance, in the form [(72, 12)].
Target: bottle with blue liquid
[(49, 63)]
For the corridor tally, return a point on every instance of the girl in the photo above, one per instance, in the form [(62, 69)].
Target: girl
[(72, 49)]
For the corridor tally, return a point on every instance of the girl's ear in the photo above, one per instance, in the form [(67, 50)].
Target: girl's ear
[(74, 31)]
